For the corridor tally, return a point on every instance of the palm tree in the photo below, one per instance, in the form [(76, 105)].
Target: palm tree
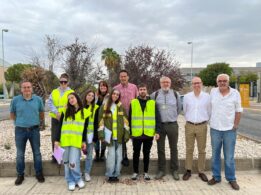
[(112, 61)]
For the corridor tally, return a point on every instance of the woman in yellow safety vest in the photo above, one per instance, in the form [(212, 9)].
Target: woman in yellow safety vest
[(92, 135), (57, 101), (71, 137), (114, 130)]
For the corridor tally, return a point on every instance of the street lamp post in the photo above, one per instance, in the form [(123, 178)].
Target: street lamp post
[(191, 59), (4, 86)]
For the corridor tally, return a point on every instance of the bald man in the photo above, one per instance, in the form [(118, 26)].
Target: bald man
[(197, 109)]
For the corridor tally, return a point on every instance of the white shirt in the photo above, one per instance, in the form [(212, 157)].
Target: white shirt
[(224, 109), (197, 109)]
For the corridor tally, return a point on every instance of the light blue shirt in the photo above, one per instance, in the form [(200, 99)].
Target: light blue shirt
[(26, 111)]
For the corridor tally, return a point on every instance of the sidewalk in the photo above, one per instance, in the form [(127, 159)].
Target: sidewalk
[(249, 182)]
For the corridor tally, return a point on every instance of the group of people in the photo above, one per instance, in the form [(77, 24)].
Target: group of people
[(106, 120)]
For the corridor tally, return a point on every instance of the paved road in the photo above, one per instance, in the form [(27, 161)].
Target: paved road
[(250, 124), (4, 112)]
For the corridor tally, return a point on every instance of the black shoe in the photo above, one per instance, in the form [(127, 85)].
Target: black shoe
[(40, 178), (19, 180), (116, 179), (111, 179)]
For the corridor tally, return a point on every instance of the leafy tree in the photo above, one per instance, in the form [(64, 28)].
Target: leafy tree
[(247, 77), (112, 62), (78, 64), (147, 65), (14, 72), (210, 73)]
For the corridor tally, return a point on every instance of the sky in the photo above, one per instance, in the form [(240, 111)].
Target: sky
[(221, 31)]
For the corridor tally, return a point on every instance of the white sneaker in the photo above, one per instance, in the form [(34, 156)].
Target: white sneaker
[(87, 177), (146, 176), (81, 184), (71, 187), (134, 176)]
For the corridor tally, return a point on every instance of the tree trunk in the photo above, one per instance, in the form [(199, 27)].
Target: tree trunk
[(11, 94)]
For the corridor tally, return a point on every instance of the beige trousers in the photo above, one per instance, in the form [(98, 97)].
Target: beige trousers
[(192, 133)]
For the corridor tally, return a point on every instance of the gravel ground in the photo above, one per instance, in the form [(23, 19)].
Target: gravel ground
[(244, 148)]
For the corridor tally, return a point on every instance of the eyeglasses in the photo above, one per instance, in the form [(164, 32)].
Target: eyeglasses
[(196, 83), (222, 81), (63, 82)]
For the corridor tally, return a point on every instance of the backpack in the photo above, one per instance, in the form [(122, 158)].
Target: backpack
[(175, 94)]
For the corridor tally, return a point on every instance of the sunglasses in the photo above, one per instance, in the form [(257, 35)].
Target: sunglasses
[(63, 82)]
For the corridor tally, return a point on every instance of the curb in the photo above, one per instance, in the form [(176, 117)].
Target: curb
[(8, 169)]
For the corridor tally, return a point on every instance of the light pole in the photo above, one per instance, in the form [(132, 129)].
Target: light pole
[(4, 86), (190, 42)]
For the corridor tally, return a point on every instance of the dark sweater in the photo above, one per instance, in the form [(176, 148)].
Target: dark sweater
[(157, 115)]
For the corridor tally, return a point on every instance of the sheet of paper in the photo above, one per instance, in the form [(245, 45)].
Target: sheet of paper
[(58, 154), (89, 138), (107, 134)]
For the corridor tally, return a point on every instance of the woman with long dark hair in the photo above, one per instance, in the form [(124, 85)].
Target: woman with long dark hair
[(102, 97), (92, 135), (72, 136), (114, 130)]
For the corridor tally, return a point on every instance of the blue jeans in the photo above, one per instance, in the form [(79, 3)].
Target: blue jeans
[(21, 137), (113, 161), (71, 160), (228, 140), (88, 160)]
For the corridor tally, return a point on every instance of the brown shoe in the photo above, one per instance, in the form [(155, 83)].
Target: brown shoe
[(213, 181), (203, 177), (187, 175), (234, 185)]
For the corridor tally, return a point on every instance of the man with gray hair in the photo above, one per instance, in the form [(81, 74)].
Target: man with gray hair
[(169, 105), (224, 121)]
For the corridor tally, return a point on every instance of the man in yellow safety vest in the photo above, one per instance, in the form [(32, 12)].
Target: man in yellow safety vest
[(145, 123)]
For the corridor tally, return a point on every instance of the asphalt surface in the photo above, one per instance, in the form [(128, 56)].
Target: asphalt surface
[(250, 124), (4, 112)]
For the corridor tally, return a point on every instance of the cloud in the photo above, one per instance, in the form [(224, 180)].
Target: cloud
[(220, 30)]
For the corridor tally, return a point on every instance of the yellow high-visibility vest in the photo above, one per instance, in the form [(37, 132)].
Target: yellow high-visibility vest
[(72, 130), (143, 122), (114, 124), (59, 101), (91, 118)]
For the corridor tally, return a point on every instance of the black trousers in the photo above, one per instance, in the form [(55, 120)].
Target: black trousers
[(147, 143), (55, 124)]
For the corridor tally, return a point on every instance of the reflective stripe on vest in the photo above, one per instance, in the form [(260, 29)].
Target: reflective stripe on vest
[(114, 124), (59, 101), (91, 119), (143, 122), (72, 130)]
